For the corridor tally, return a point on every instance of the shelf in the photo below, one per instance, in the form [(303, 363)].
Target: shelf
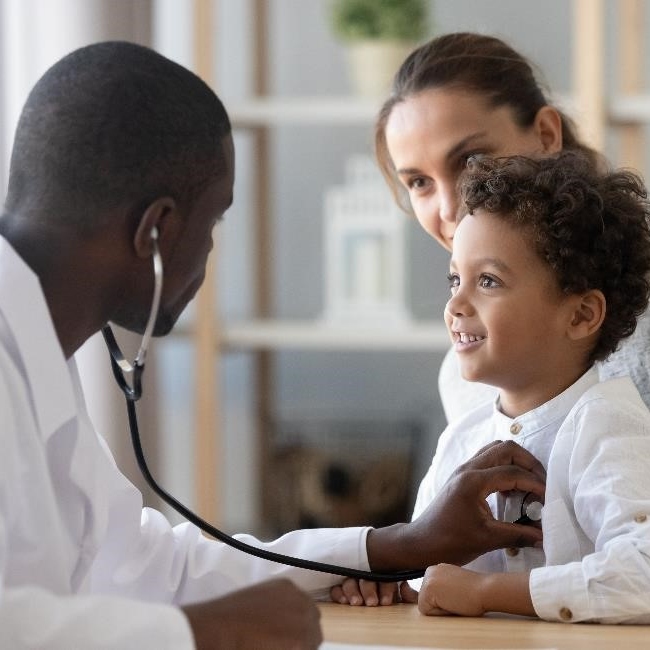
[(350, 110), (325, 110), (632, 109), (319, 335)]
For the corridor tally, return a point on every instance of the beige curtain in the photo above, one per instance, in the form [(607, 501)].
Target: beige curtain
[(33, 35)]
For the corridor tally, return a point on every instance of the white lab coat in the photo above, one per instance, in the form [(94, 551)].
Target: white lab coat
[(594, 440), (82, 565)]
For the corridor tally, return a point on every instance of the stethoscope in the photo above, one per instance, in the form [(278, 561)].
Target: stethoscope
[(531, 510), (133, 391)]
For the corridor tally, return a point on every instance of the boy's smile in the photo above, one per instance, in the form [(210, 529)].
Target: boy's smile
[(463, 339), (507, 317)]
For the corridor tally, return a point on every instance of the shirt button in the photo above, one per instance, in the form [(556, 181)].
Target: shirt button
[(515, 428), (566, 614), (512, 552), (640, 518)]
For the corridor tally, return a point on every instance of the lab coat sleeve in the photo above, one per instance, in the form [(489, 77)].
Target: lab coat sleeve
[(31, 617), (608, 485), (35, 614), (144, 557)]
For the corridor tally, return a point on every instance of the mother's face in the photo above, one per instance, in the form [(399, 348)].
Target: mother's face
[(431, 135)]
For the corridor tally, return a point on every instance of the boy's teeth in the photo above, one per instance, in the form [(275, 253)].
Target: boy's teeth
[(469, 338)]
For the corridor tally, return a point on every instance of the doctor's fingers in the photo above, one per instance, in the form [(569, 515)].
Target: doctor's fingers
[(501, 453), (506, 535), (502, 479)]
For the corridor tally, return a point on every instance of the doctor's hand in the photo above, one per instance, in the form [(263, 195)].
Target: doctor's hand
[(458, 525), (274, 615)]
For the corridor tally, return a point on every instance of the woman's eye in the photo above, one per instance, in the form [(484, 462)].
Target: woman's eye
[(417, 183)]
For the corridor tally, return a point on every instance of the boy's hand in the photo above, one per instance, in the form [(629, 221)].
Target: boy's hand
[(449, 589), (371, 594)]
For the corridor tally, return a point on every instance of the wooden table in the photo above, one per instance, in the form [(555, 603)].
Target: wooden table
[(403, 625)]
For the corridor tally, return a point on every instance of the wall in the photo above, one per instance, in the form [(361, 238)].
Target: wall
[(305, 59)]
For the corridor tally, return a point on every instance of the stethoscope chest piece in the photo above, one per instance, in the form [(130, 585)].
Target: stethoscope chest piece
[(531, 509)]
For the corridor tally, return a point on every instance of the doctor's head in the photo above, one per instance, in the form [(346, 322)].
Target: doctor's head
[(114, 140)]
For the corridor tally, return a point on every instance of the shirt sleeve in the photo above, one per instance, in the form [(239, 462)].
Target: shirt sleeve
[(33, 618), (606, 451)]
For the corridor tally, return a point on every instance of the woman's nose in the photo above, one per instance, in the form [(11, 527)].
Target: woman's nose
[(448, 205)]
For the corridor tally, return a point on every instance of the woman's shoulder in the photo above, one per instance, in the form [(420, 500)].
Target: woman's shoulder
[(632, 359), (459, 396)]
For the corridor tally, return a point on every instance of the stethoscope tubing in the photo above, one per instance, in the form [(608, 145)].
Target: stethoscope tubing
[(211, 530), (132, 393)]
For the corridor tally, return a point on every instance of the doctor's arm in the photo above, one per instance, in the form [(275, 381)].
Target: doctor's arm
[(439, 534)]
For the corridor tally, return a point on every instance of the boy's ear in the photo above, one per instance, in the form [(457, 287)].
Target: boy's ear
[(588, 313), (156, 215)]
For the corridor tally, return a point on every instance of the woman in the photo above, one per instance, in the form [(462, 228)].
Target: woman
[(457, 96), (462, 95)]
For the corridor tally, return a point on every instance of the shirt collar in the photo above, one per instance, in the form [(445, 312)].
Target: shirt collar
[(28, 319), (555, 409)]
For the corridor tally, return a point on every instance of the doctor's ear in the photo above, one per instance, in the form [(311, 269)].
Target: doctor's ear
[(154, 225)]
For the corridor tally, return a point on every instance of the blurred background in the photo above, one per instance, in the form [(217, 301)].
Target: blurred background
[(299, 389)]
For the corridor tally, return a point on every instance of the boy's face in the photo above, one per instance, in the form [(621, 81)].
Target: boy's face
[(507, 317)]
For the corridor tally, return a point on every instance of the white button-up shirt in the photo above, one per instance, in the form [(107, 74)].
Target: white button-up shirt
[(594, 440), (82, 565)]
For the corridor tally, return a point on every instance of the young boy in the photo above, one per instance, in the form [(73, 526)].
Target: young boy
[(549, 271)]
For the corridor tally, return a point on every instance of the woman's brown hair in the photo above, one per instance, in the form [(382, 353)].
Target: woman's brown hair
[(477, 63)]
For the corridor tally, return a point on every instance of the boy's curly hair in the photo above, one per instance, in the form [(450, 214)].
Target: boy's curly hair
[(591, 227)]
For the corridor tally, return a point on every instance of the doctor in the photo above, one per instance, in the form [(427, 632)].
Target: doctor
[(115, 144)]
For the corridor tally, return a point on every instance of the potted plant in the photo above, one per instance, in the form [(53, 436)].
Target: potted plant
[(378, 34)]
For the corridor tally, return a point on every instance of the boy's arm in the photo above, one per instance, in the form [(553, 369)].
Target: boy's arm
[(448, 589)]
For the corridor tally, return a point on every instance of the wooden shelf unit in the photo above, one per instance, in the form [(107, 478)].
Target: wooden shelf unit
[(628, 111)]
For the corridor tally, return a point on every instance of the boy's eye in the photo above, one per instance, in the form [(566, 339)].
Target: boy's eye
[(486, 282), (454, 280)]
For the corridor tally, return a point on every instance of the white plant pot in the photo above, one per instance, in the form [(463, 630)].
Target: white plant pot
[(373, 64)]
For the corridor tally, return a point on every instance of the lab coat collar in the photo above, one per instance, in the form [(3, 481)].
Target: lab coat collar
[(27, 316)]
